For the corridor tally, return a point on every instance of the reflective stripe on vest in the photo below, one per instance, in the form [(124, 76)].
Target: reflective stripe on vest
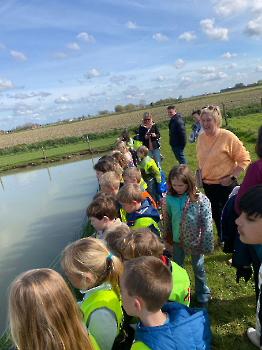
[(122, 213), (103, 299), (146, 222), (143, 184)]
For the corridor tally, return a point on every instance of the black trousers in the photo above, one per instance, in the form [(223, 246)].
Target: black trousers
[(218, 196)]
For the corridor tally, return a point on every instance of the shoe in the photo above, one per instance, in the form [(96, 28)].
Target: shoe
[(252, 335), (202, 304)]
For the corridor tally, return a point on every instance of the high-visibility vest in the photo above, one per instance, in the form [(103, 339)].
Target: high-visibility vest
[(181, 285), (138, 345), (146, 222)]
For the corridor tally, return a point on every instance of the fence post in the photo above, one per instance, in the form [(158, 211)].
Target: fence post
[(225, 115), (43, 151)]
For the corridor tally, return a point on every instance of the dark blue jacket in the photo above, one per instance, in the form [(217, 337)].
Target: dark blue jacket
[(177, 131), (188, 329)]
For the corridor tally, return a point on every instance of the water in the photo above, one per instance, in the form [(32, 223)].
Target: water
[(40, 211)]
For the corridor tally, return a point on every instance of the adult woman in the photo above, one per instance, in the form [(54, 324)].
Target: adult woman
[(149, 135), (222, 158)]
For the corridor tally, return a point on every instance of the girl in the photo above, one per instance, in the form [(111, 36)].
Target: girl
[(90, 267), (121, 147), (43, 313), (188, 212)]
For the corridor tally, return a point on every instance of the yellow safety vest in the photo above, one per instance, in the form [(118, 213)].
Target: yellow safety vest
[(138, 345), (146, 222)]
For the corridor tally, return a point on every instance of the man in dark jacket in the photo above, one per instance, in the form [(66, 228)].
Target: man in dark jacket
[(177, 134)]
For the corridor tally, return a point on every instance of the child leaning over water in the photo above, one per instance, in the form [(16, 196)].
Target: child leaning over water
[(189, 213), (90, 267)]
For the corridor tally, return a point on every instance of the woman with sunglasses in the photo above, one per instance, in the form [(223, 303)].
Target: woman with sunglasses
[(222, 158), (149, 135)]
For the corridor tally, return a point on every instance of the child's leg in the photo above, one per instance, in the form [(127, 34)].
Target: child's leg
[(178, 255), (201, 289)]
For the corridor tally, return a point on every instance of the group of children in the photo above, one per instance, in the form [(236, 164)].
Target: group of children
[(124, 271)]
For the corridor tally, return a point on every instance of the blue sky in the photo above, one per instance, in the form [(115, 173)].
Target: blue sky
[(64, 59)]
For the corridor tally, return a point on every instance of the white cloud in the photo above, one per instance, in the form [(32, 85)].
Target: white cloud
[(63, 99), (6, 84), (117, 79), (214, 76), (228, 55), (18, 96), (179, 63), (227, 7), (73, 46), (159, 78), (185, 82), (131, 25), (21, 108), (187, 36), (259, 69), (159, 37), (214, 33), (86, 37), (62, 108), (60, 54), (132, 91), (2, 46), (231, 66), (40, 93), (206, 70), (254, 27), (95, 94), (93, 73), (19, 56)]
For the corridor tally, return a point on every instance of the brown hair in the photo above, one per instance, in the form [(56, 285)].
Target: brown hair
[(120, 159), (143, 149), (214, 112), (103, 206), (171, 107), (258, 148), (198, 111), (111, 238), (110, 179), (43, 313), (91, 255), (126, 135), (129, 193), (140, 242), (133, 173), (183, 174), (150, 279), (104, 166)]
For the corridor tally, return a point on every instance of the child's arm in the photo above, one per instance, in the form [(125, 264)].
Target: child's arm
[(206, 225)]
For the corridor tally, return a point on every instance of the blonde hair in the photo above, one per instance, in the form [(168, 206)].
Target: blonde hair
[(120, 159), (214, 112), (110, 179), (140, 242), (133, 173), (129, 193), (91, 255), (143, 149), (121, 147), (43, 313), (147, 115), (111, 238)]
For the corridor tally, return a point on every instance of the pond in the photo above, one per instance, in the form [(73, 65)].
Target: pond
[(41, 210)]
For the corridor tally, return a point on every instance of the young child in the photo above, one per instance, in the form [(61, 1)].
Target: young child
[(137, 142), (189, 212), (143, 242), (90, 267), (145, 286), (111, 239), (102, 167), (121, 147), (120, 159), (133, 176), (44, 315), (140, 212), (249, 225), (102, 213), (150, 172), (109, 183)]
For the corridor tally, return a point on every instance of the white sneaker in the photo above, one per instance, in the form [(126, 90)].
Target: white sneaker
[(252, 335)]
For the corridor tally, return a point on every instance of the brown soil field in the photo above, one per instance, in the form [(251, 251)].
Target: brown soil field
[(98, 124)]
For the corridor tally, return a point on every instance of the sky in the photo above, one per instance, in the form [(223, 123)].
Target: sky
[(64, 59)]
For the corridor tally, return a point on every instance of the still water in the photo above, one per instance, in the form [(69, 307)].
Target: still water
[(40, 212)]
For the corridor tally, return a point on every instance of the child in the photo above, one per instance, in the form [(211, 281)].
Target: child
[(102, 213), (145, 287), (249, 225), (133, 176), (120, 159), (189, 212), (137, 142), (109, 183), (121, 147), (142, 242), (103, 166), (111, 239), (140, 212), (90, 267), (150, 172), (44, 315)]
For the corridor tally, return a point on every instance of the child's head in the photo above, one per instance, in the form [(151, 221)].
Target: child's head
[(112, 237), (43, 313), (110, 182), (121, 147), (88, 263), (130, 197), (103, 166), (249, 223), (146, 284), (181, 180), (102, 211), (132, 175), (140, 242), (126, 136), (120, 159), (142, 152), (110, 159)]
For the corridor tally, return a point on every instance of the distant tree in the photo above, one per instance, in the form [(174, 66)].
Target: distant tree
[(89, 115), (238, 85), (180, 98), (103, 112), (142, 103), (19, 127), (152, 104), (28, 126), (119, 109), (130, 107), (259, 82)]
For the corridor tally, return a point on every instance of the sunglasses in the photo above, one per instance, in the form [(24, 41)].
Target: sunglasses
[(147, 119), (211, 108)]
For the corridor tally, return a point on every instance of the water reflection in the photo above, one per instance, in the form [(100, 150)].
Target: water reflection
[(39, 215)]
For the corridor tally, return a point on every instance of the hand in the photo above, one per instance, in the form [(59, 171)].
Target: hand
[(153, 134), (226, 181)]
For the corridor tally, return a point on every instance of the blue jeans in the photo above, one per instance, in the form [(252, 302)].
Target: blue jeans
[(155, 154), (179, 154), (201, 290)]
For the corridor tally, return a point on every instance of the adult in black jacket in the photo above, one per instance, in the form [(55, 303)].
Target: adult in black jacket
[(149, 135), (177, 134)]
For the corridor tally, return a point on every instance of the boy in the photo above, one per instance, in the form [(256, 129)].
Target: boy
[(150, 172), (133, 176), (143, 242), (109, 183), (140, 212), (145, 286), (102, 213), (103, 166), (249, 225)]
